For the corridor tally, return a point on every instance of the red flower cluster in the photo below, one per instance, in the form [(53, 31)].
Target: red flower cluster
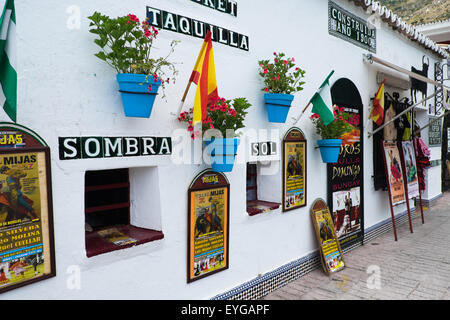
[(146, 26), (133, 18), (221, 105)]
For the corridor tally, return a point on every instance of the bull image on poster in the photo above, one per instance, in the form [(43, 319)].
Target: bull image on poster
[(347, 211)]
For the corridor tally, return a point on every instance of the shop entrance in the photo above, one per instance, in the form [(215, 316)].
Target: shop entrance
[(346, 177)]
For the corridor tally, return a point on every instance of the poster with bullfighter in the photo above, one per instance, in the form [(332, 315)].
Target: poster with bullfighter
[(208, 222), (24, 236), (294, 170)]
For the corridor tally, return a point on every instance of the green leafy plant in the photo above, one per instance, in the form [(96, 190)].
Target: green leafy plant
[(336, 129), (126, 44), (223, 115), (281, 75)]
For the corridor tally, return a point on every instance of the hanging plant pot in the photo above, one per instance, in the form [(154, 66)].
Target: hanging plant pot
[(137, 97), (278, 105), (222, 152), (330, 149)]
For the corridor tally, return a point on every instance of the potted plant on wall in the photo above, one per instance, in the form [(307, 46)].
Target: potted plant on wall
[(125, 45), (333, 134), (281, 80), (223, 119)]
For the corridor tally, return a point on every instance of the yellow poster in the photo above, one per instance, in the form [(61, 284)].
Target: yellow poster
[(294, 175), (208, 231), (22, 238), (328, 241)]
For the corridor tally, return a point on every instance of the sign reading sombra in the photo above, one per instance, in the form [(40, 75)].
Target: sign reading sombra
[(349, 27), (111, 147)]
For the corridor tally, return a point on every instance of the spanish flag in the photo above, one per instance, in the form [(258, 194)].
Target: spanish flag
[(377, 112), (204, 76)]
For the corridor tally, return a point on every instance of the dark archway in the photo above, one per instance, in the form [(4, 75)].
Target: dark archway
[(346, 177)]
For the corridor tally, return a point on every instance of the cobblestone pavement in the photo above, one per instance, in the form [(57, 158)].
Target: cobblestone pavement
[(416, 267)]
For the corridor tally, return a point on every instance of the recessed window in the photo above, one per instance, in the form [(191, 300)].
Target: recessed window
[(254, 204), (107, 213)]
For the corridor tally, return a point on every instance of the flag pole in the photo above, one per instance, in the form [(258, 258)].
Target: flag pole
[(304, 110), (191, 79), (180, 107)]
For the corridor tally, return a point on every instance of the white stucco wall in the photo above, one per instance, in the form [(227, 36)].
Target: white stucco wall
[(65, 91)]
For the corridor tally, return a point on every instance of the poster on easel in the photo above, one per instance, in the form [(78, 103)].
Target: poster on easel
[(412, 178), (208, 225), (411, 175), (394, 172), (329, 247)]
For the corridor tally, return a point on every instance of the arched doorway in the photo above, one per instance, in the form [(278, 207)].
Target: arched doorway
[(346, 177)]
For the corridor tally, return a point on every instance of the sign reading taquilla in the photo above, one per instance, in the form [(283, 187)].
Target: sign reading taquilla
[(349, 27), (195, 28)]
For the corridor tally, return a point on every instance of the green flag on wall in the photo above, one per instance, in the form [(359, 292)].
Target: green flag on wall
[(8, 75), (321, 101)]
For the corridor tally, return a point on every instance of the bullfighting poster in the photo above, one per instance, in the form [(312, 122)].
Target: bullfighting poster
[(394, 172), (412, 179), (329, 246), (345, 183), (25, 237), (208, 225), (294, 170)]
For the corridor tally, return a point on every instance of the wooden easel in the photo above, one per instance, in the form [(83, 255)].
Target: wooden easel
[(388, 184)]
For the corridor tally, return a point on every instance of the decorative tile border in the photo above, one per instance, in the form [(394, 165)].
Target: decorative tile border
[(271, 281)]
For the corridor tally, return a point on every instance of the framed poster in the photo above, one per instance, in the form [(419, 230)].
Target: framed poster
[(294, 170), (410, 167), (394, 173), (208, 225), (346, 176), (329, 246), (26, 223)]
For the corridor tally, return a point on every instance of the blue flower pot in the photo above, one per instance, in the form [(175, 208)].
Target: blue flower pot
[(278, 105), (222, 152), (137, 99), (330, 149)]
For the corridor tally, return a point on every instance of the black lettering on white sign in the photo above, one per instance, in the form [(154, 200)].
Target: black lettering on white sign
[(225, 6), (263, 149), (71, 148), (188, 26)]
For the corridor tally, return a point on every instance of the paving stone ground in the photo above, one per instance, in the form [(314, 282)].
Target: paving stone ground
[(416, 267)]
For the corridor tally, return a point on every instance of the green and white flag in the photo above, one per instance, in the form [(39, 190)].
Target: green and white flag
[(8, 58), (322, 104)]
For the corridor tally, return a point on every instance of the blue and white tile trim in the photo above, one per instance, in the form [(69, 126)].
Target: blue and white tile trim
[(265, 284)]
